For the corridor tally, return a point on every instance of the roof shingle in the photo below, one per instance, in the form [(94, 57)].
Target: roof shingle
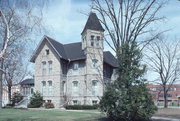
[(93, 23)]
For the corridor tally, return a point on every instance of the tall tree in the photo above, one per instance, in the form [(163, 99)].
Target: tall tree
[(163, 59), (18, 19), (128, 20), (127, 98)]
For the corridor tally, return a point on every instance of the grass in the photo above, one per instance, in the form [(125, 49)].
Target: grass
[(47, 115), (59, 115)]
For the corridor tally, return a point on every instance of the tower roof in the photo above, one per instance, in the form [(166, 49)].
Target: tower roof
[(93, 23)]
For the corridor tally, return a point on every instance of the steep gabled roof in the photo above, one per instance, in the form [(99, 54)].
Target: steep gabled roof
[(93, 23), (73, 51)]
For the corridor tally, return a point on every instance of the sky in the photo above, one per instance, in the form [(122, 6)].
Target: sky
[(65, 20)]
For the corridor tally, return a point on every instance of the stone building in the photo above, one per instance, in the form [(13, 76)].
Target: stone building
[(74, 73)]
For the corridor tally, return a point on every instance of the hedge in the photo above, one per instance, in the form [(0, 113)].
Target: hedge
[(81, 107)]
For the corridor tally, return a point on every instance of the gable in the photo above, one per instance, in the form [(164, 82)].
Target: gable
[(70, 52)]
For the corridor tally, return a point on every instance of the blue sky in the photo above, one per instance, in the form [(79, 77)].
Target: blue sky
[(64, 20)]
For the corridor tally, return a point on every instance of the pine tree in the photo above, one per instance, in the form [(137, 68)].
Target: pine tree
[(127, 98)]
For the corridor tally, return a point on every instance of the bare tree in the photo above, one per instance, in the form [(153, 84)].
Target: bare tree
[(163, 59), (17, 20), (127, 20), (15, 67)]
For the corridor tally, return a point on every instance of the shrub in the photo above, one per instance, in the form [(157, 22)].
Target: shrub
[(16, 98), (36, 101), (48, 105), (81, 107)]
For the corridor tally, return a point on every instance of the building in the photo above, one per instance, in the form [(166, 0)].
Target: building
[(157, 93), (26, 88), (74, 73), (5, 97)]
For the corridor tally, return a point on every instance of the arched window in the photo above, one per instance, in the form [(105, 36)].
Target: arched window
[(50, 67), (44, 68), (98, 41), (94, 63), (94, 87), (92, 40), (75, 88), (43, 88), (50, 88), (64, 87)]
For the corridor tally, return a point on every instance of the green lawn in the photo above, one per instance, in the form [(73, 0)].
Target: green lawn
[(48, 115), (51, 115)]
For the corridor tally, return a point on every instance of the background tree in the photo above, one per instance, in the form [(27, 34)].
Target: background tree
[(15, 67), (163, 59), (127, 20), (18, 19)]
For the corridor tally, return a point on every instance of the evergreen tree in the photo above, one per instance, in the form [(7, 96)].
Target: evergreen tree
[(127, 98)]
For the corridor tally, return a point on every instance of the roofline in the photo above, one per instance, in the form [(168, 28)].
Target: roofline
[(53, 47), (90, 29), (44, 37), (33, 54)]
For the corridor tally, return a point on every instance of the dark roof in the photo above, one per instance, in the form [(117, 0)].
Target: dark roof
[(73, 51), (93, 23), (27, 81), (110, 59)]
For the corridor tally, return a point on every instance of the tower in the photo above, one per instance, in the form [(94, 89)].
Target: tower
[(92, 45)]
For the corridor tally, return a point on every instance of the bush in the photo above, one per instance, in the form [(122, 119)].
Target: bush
[(48, 105), (36, 101), (81, 107), (16, 98), (137, 105)]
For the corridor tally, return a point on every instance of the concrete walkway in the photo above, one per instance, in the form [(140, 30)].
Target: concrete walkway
[(165, 119)]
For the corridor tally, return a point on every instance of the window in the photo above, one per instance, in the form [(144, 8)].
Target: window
[(94, 102), (50, 67), (32, 90), (43, 68), (94, 87), (75, 88), (47, 51), (153, 89), (75, 66), (49, 101), (43, 88), (98, 41), (94, 63), (75, 102), (64, 87), (50, 88), (92, 40)]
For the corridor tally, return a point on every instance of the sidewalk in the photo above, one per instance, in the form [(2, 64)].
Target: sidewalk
[(166, 119)]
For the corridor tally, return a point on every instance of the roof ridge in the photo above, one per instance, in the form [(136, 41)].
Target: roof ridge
[(53, 39), (72, 43)]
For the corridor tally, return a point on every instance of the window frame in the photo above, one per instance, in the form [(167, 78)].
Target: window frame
[(75, 66), (43, 67), (50, 67)]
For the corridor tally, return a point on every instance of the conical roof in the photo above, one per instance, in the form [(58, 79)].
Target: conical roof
[(93, 23)]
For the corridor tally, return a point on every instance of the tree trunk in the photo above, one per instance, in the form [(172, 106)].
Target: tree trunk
[(165, 98), (1, 84), (9, 93)]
